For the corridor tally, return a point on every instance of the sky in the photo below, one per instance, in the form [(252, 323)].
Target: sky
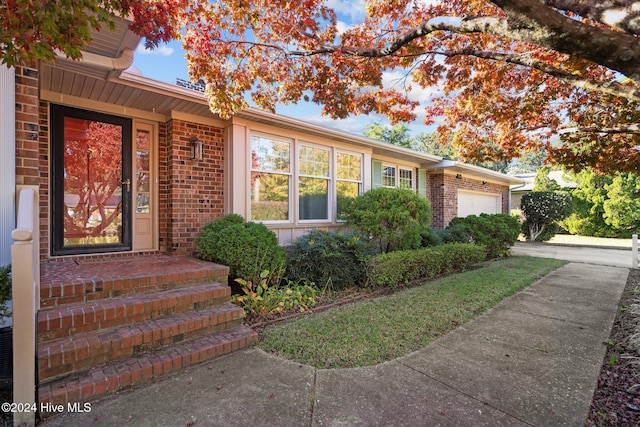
[(167, 63)]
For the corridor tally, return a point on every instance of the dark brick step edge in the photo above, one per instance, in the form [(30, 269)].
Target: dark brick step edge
[(81, 352), (126, 373), (61, 322), (85, 290)]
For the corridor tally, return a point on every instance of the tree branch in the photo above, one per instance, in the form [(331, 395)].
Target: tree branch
[(621, 14), (610, 88), (533, 21), (633, 129)]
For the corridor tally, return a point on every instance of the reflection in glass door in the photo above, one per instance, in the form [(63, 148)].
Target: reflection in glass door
[(91, 181)]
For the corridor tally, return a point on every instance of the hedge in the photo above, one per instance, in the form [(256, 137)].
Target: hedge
[(399, 267)]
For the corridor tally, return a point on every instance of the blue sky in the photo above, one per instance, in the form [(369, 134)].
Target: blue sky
[(167, 63)]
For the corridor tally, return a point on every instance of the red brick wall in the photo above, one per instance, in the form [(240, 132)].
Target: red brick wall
[(31, 154), (194, 189), (442, 190)]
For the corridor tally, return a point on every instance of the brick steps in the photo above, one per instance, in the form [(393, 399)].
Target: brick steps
[(106, 326), (107, 379), (81, 352), (64, 321), (71, 283)]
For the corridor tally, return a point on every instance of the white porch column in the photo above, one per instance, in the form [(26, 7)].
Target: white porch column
[(7, 161), (237, 158)]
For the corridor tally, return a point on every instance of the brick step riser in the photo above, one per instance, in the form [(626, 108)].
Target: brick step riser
[(99, 382), (57, 359), (62, 322), (57, 294)]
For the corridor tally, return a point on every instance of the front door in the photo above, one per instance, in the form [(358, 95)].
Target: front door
[(91, 181)]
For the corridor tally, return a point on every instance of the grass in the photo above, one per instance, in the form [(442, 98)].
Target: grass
[(382, 329)]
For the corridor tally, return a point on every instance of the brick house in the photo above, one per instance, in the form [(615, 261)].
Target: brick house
[(129, 169)]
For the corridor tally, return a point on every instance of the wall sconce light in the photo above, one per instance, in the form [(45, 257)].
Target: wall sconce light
[(197, 149), (458, 176)]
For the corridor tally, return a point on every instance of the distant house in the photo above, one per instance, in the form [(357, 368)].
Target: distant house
[(519, 189)]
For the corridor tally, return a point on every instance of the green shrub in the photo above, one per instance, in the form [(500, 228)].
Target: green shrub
[(262, 299), (393, 217), (247, 248), (497, 233), (5, 290), (430, 237), (454, 234), (401, 267), (330, 260), (542, 210)]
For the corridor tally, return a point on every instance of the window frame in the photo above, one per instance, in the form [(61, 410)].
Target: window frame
[(289, 174), (385, 166), (360, 182), (329, 178), (411, 179)]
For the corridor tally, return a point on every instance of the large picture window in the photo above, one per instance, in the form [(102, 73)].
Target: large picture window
[(313, 183), (270, 179), (302, 182)]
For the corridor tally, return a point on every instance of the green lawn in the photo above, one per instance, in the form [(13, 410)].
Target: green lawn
[(384, 328)]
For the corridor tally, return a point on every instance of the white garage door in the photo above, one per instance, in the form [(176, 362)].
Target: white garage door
[(472, 203)]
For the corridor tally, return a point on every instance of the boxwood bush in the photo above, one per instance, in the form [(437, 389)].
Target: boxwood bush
[(330, 260), (247, 248), (400, 267), (496, 232)]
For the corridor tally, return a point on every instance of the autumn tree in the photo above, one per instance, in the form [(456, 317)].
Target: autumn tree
[(512, 73)]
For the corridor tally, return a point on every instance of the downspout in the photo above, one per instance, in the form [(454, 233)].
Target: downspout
[(7, 160)]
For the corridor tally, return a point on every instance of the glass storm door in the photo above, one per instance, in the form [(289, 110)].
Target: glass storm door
[(91, 182)]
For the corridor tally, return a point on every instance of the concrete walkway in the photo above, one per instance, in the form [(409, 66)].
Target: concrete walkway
[(533, 359)]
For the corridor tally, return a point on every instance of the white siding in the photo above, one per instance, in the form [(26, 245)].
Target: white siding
[(7, 161)]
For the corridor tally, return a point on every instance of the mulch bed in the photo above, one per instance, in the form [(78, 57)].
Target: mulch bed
[(616, 400)]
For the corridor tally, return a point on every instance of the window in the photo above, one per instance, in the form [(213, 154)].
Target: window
[(270, 179), (348, 178), (313, 183), (295, 181), (406, 179), (388, 176)]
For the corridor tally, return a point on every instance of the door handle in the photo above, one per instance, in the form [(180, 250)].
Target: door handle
[(127, 183)]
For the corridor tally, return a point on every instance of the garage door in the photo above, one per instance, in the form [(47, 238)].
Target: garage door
[(472, 203)]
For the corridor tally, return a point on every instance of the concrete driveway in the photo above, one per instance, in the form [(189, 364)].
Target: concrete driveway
[(581, 254)]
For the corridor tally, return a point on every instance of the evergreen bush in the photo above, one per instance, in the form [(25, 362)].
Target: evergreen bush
[(542, 210), (330, 260), (497, 232), (247, 248), (393, 217)]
